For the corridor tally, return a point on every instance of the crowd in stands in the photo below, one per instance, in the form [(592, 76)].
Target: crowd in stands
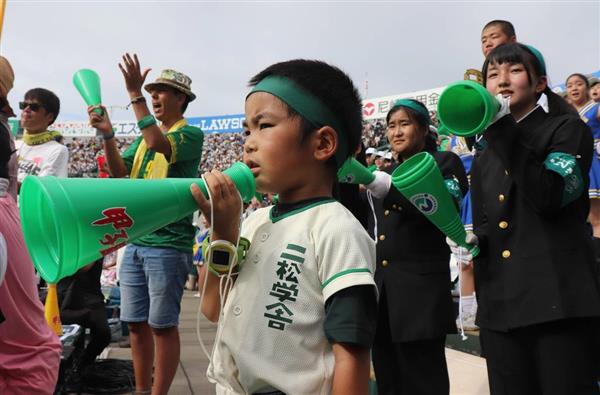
[(220, 150)]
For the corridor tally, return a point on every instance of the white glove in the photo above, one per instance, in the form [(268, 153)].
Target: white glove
[(380, 186), (3, 258), (504, 107), (461, 254), (597, 145)]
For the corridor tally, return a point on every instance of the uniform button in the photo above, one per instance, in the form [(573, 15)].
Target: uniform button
[(382, 237), (237, 310), (386, 212), (256, 258), (501, 197), (506, 254), (503, 225), (264, 237), (394, 206), (384, 263)]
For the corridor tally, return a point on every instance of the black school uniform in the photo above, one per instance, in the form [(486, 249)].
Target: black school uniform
[(415, 304), (535, 277)]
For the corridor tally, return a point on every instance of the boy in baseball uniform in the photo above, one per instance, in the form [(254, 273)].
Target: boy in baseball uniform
[(300, 317)]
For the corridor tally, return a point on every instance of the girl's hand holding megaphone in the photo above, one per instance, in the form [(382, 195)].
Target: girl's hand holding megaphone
[(461, 254), (226, 205)]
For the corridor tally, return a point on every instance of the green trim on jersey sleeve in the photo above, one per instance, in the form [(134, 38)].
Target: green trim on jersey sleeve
[(343, 273), (275, 218), (566, 166)]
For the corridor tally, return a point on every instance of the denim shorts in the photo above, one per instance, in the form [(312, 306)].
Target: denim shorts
[(152, 281)]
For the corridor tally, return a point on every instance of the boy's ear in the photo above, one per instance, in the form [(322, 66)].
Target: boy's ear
[(325, 143)]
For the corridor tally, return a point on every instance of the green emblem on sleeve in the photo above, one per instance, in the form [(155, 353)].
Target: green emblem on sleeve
[(566, 166), (454, 189)]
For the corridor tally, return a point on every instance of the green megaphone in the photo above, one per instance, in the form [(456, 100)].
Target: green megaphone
[(69, 222), (466, 108), (353, 172), (87, 83), (419, 179)]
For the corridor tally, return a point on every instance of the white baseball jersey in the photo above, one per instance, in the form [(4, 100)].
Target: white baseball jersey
[(48, 159), (271, 334)]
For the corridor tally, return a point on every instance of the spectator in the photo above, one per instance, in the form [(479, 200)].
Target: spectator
[(155, 267), (30, 351), (595, 89), (39, 153), (7, 78)]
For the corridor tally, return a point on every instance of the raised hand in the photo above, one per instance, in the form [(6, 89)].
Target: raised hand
[(134, 77)]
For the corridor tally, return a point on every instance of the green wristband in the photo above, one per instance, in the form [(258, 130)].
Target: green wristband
[(148, 120)]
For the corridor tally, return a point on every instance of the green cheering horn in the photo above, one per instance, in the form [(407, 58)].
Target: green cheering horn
[(420, 181), (87, 83), (69, 222), (353, 172), (466, 108)]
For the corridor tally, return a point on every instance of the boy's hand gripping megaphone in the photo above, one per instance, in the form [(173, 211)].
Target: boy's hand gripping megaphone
[(69, 222)]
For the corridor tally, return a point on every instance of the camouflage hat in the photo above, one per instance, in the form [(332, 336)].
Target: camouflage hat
[(174, 79), (593, 81)]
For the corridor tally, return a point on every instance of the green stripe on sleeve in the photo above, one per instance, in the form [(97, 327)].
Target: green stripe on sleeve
[(340, 274)]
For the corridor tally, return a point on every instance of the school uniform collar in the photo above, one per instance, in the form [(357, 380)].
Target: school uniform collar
[(533, 118)]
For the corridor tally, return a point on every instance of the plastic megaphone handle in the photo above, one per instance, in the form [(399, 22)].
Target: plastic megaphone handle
[(242, 177), (354, 172), (474, 250)]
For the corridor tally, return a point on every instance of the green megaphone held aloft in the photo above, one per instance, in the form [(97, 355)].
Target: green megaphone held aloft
[(87, 83), (69, 222), (466, 108), (353, 172), (419, 179)]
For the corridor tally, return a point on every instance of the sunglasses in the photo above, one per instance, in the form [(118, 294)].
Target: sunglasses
[(32, 106)]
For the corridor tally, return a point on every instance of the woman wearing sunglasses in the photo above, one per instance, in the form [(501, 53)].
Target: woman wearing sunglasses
[(38, 153)]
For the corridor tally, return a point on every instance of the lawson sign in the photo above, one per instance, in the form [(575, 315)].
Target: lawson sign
[(219, 124)]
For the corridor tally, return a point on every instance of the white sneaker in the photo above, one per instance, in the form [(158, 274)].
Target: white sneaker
[(468, 321)]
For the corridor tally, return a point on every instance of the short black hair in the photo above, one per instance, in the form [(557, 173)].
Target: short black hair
[(47, 99), (506, 27), (331, 86)]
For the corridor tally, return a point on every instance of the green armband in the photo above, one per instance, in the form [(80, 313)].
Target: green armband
[(454, 189), (147, 121), (566, 166)]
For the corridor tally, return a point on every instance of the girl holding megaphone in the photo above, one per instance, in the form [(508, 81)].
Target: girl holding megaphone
[(412, 273), (535, 274)]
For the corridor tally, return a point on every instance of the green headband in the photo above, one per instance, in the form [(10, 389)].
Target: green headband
[(539, 57), (413, 106), (307, 105)]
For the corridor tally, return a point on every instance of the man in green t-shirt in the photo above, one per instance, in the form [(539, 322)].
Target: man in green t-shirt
[(155, 267)]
